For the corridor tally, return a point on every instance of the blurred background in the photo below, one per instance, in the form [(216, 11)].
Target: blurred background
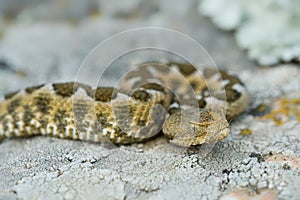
[(47, 40)]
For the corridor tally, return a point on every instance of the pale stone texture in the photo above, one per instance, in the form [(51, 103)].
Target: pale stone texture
[(50, 168)]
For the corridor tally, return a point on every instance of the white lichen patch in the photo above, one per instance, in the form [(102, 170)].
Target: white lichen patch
[(269, 30)]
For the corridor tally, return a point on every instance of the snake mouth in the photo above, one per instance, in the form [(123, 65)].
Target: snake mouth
[(218, 136), (187, 141), (223, 133)]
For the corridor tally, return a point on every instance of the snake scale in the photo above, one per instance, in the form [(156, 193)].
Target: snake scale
[(189, 106)]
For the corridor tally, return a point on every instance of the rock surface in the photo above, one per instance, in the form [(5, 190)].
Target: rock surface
[(263, 164)]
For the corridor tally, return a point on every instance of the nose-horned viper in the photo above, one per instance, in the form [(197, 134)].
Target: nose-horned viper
[(189, 106)]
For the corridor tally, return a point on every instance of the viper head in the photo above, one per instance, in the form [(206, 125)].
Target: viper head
[(196, 126)]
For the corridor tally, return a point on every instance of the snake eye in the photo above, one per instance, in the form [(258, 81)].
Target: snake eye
[(194, 127), (194, 124)]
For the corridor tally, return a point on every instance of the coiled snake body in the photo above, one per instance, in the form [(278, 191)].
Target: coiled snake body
[(190, 107)]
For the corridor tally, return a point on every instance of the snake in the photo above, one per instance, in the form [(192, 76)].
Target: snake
[(189, 106)]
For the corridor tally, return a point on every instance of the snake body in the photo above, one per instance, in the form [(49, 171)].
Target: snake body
[(190, 107)]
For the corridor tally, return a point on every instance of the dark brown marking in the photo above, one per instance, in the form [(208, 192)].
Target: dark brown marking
[(174, 110), (104, 94), (232, 79), (102, 120), (154, 86), (184, 68), (224, 76), (68, 89), (141, 95), (231, 94), (43, 122), (28, 115), (194, 84), (59, 118), (142, 122), (10, 95), (29, 90), (11, 107), (202, 103), (42, 101)]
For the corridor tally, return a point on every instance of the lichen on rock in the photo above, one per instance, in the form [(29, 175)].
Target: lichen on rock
[(268, 30)]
